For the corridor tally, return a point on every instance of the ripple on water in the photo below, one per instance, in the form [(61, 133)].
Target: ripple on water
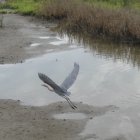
[(60, 41), (43, 37), (57, 43), (35, 44)]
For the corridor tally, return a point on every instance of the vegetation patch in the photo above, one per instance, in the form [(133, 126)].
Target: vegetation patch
[(117, 20), (26, 7), (114, 4), (1, 20), (121, 25)]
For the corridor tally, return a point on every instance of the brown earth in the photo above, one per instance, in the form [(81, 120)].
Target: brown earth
[(19, 122), (16, 36)]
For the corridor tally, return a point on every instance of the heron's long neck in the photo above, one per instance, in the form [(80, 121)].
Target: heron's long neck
[(49, 87)]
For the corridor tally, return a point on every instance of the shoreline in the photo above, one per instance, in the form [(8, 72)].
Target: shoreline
[(18, 36), (34, 123), (119, 25), (116, 25)]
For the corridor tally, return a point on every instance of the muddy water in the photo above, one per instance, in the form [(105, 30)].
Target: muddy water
[(101, 81), (109, 75)]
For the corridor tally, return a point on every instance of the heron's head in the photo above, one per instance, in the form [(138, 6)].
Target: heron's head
[(49, 87)]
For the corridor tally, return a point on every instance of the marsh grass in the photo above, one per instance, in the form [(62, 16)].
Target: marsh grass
[(24, 6), (1, 20), (57, 9), (120, 25), (107, 19), (113, 4)]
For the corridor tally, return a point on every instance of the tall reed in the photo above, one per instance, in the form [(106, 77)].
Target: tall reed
[(77, 16)]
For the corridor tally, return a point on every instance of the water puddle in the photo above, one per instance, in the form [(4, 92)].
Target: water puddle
[(43, 37), (60, 41), (35, 45), (71, 116), (104, 79)]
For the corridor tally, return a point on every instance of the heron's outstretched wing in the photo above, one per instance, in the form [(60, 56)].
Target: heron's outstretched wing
[(71, 77), (48, 81)]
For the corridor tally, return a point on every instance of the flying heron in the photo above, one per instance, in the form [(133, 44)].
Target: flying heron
[(61, 90)]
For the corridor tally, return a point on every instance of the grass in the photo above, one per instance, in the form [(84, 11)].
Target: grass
[(32, 6), (117, 20), (26, 7), (121, 25), (1, 20), (135, 4)]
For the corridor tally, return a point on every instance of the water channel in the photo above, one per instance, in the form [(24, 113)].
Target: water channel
[(109, 75)]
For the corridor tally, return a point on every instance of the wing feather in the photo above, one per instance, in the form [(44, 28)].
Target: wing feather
[(48, 81), (67, 83)]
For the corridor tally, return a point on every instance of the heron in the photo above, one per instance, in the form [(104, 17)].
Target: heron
[(61, 90)]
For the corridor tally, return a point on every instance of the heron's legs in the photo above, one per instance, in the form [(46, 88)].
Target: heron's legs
[(70, 102), (71, 105)]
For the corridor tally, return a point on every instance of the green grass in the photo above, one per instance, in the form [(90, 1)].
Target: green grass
[(104, 18), (31, 7), (26, 7)]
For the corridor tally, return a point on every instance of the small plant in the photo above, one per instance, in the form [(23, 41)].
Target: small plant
[(1, 20), (126, 3)]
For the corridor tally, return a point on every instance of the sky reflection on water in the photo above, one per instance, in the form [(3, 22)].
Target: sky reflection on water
[(100, 81)]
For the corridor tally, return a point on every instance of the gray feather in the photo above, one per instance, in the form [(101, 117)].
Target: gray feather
[(67, 83), (48, 81)]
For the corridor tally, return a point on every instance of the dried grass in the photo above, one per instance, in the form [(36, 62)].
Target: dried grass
[(119, 25)]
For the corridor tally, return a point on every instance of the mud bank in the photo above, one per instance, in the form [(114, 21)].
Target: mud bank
[(38, 123), (20, 38)]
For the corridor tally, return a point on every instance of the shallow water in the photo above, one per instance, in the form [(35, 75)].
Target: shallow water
[(108, 76), (101, 81), (70, 116)]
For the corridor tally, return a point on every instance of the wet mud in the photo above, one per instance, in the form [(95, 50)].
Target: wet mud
[(29, 122), (23, 37)]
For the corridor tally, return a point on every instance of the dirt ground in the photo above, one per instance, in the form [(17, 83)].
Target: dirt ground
[(18, 122), (16, 37)]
